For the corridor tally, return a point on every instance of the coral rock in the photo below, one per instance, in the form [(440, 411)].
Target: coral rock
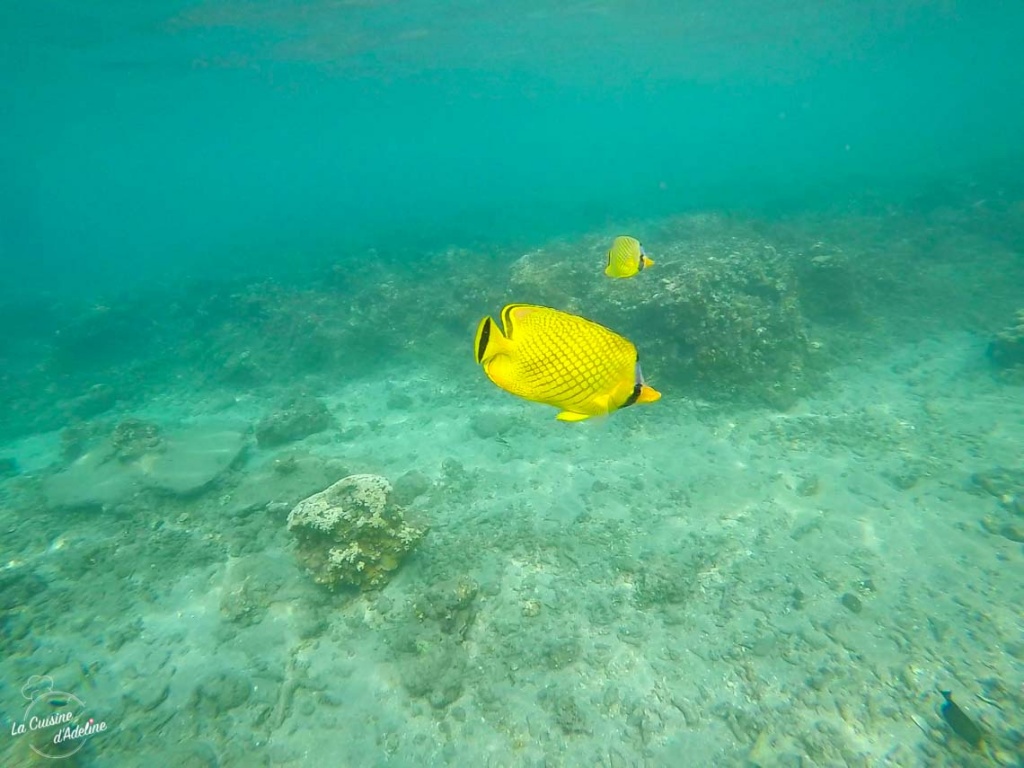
[(352, 533), (134, 438)]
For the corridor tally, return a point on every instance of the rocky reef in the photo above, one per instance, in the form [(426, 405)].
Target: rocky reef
[(352, 533), (720, 314), (735, 309), (732, 320)]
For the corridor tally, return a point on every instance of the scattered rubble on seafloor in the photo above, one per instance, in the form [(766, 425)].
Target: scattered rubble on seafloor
[(1007, 486), (1006, 350)]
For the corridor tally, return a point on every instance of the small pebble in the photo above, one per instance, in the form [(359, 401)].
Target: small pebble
[(809, 486), (851, 602)]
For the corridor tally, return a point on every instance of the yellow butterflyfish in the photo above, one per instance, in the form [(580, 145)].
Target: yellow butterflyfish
[(626, 258), (563, 360)]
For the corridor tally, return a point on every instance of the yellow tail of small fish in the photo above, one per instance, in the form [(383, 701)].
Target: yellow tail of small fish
[(648, 395)]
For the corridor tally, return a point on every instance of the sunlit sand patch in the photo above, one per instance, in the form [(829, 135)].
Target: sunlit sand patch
[(869, 538)]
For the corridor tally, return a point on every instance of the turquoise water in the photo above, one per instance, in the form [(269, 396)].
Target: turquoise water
[(260, 506), (145, 141)]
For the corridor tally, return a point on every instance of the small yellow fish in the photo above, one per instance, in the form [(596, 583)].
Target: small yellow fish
[(563, 360), (626, 257)]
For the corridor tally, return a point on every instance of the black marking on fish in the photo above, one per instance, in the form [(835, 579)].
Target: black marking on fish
[(506, 320), (638, 386), (485, 336), (634, 396)]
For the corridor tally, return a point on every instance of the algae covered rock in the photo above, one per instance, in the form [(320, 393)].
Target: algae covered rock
[(299, 418), (429, 647), (352, 533), (134, 438)]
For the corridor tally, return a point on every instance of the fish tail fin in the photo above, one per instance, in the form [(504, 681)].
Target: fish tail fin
[(648, 261), (648, 394), (490, 341)]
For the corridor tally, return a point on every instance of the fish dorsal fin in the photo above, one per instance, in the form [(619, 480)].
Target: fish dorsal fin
[(518, 316)]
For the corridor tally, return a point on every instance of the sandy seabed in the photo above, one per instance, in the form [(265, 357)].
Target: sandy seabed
[(683, 583)]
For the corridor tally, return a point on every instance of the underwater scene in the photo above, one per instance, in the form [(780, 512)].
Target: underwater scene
[(598, 383)]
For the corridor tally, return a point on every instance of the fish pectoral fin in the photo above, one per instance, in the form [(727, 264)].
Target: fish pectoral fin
[(572, 416)]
